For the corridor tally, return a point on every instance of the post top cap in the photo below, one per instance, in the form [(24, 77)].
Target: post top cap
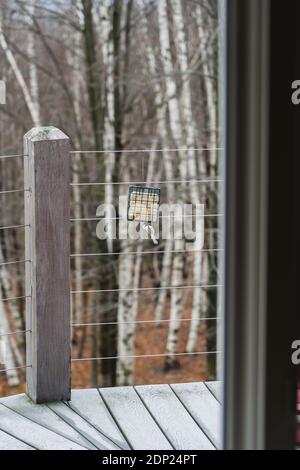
[(45, 133)]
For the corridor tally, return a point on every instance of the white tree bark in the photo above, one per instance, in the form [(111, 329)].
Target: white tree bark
[(177, 132), (33, 73), (125, 302), (5, 344), (170, 83), (189, 135), (129, 276), (199, 307), (161, 103), (125, 336), (6, 351), (5, 281), (19, 76), (109, 128), (207, 67), (73, 58)]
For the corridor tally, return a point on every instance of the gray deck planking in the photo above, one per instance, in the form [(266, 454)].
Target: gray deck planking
[(90, 405), (32, 433), (134, 419), (43, 415), (171, 416), (203, 406), (8, 442), (216, 389), (150, 417), (99, 440)]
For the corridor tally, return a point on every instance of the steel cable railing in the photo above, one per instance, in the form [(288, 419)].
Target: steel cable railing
[(133, 151), (149, 252), (203, 180), (130, 253), (16, 332), (21, 261), (139, 289), (127, 183), (134, 322), (184, 216), (13, 262), (14, 368), (142, 356), (3, 157)]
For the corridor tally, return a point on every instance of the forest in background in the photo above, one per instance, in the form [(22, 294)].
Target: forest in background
[(117, 76)]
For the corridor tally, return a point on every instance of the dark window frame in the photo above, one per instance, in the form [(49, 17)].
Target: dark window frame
[(261, 242)]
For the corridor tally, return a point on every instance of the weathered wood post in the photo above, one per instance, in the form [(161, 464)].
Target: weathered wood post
[(47, 246)]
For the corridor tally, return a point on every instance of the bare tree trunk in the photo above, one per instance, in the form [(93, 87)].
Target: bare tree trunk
[(199, 300), (208, 57), (189, 135), (33, 75), (130, 273), (6, 351), (161, 108), (74, 58), (19, 76), (7, 286), (93, 85), (176, 128), (109, 122), (125, 338), (125, 303), (113, 141), (6, 345)]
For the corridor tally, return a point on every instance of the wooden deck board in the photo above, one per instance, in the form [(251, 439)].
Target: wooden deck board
[(99, 440), (203, 406), (169, 413), (181, 416), (43, 415), (134, 419), (216, 389), (32, 433), (8, 442), (89, 404)]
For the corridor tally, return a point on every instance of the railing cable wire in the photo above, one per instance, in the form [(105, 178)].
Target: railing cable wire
[(12, 156), (15, 262), (12, 191), (205, 250), (142, 321), (14, 368), (17, 332), (135, 289), (15, 298), (183, 149), (14, 226), (185, 216), (139, 356), (208, 180)]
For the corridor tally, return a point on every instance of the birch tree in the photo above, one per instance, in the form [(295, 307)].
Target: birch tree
[(72, 54), (29, 99), (207, 35), (129, 279), (109, 137), (161, 103), (175, 125), (33, 73), (6, 345)]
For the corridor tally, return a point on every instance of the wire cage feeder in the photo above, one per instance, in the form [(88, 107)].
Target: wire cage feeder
[(143, 204)]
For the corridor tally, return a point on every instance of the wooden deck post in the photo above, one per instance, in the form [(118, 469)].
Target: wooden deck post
[(47, 246)]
